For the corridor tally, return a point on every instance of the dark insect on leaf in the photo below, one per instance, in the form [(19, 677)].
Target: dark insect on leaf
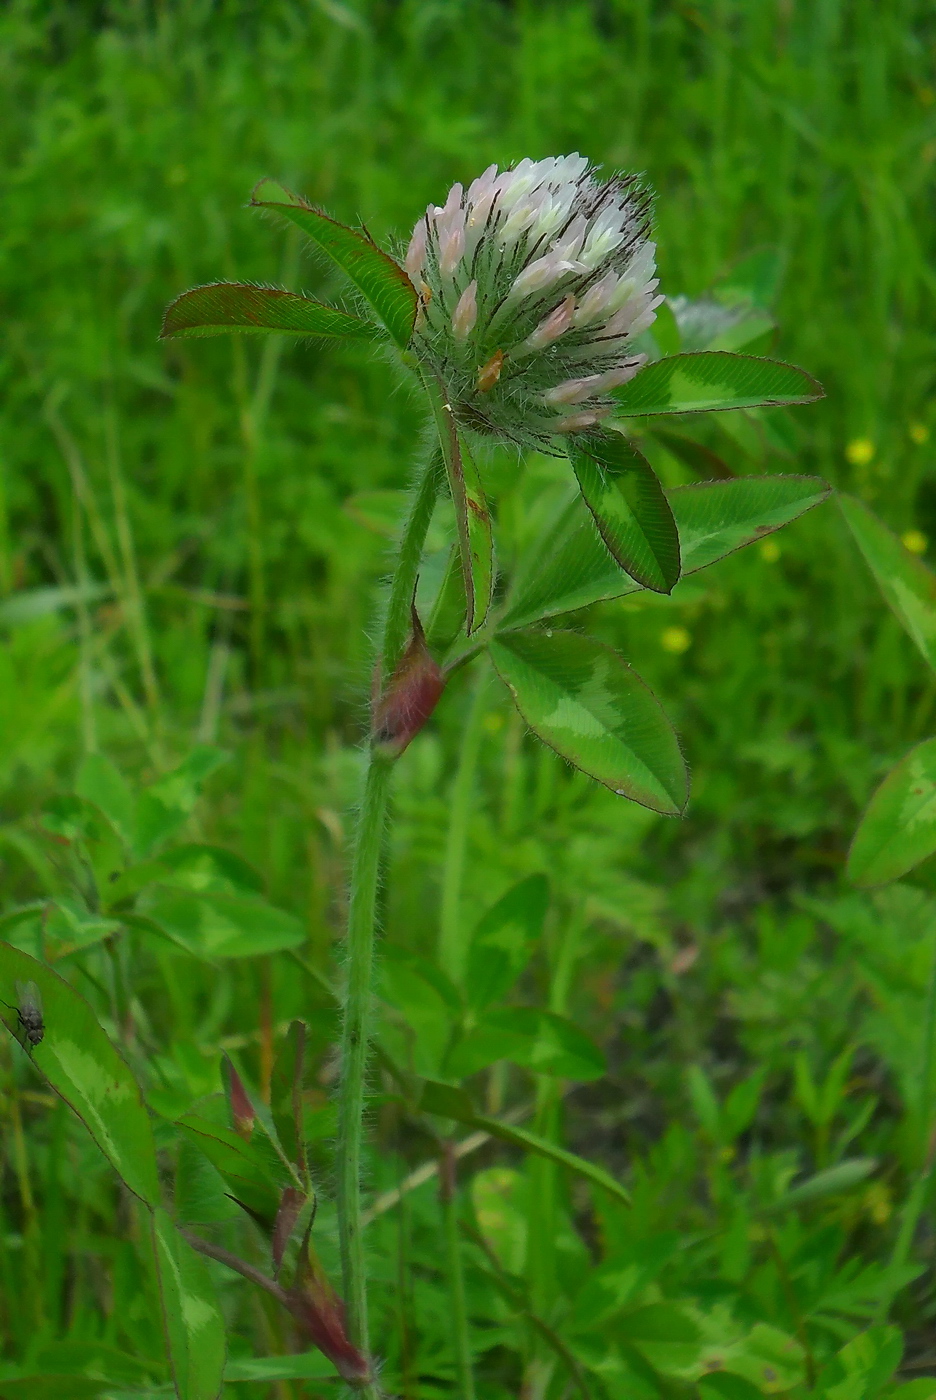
[(29, 1013)]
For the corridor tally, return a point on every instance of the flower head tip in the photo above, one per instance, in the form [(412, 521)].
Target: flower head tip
[(533, 284)]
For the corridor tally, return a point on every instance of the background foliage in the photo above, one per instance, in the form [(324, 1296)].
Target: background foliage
[(191, 542)]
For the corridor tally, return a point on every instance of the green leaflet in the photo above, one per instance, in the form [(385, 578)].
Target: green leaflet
[(538, 1040), (448, 608), (253, 1172), (377, 277), (504, 940), (145, 819), (865, 1364), (713, 519), (82, 1065), (309, 1365), (830, 1182), (55, 1388), (450, 1102), (214, 925), (193, 1322), (221, 307), (658, 1322), (579, 697), (898, 829), (705, 380), (907, 584), (203, 869), (629, 507), (698, 458)]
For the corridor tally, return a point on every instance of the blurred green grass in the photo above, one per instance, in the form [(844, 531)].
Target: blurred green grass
[(198, 491)]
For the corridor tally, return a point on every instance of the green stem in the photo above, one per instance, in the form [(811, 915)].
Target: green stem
[(543, 1266), (365, 870), (356, 1034), (397, 620), (451, 945), (913, 1209), (461, 1337)]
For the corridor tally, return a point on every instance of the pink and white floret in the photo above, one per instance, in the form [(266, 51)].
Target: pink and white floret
[(533, 285)]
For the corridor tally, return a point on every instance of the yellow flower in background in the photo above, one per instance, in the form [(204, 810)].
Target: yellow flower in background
[(919, 433), (877, 1202), (915, 541), (860, 452), (770, 551), (675, 639)]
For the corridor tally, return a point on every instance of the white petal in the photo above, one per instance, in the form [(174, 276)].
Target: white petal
[(466, 312)]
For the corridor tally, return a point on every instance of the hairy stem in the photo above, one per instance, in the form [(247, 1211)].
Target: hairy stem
[(365, 871)]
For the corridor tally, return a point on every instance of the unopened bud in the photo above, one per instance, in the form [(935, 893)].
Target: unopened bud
[(411, 695), (466, 312), (416, 252), (316, 1306), (578, 422), (242, 1110), (555, 325)]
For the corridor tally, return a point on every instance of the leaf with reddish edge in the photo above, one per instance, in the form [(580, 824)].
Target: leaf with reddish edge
[(411, 695), (85, 1068), (221, 307), (714, 518), (705, 381), (633, 516), (290, 1208), (376, 275), (585, 702)]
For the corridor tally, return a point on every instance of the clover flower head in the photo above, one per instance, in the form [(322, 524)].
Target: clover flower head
[(532, 285)]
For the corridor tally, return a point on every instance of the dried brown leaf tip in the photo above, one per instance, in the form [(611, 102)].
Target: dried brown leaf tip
[(410, 696)]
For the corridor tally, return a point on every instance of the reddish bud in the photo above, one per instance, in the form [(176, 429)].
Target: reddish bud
[(242, 1110), (320, 1312), (410, 696)]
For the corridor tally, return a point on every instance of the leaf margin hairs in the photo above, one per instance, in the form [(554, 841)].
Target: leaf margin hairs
[(394, 296), (336, 323)]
